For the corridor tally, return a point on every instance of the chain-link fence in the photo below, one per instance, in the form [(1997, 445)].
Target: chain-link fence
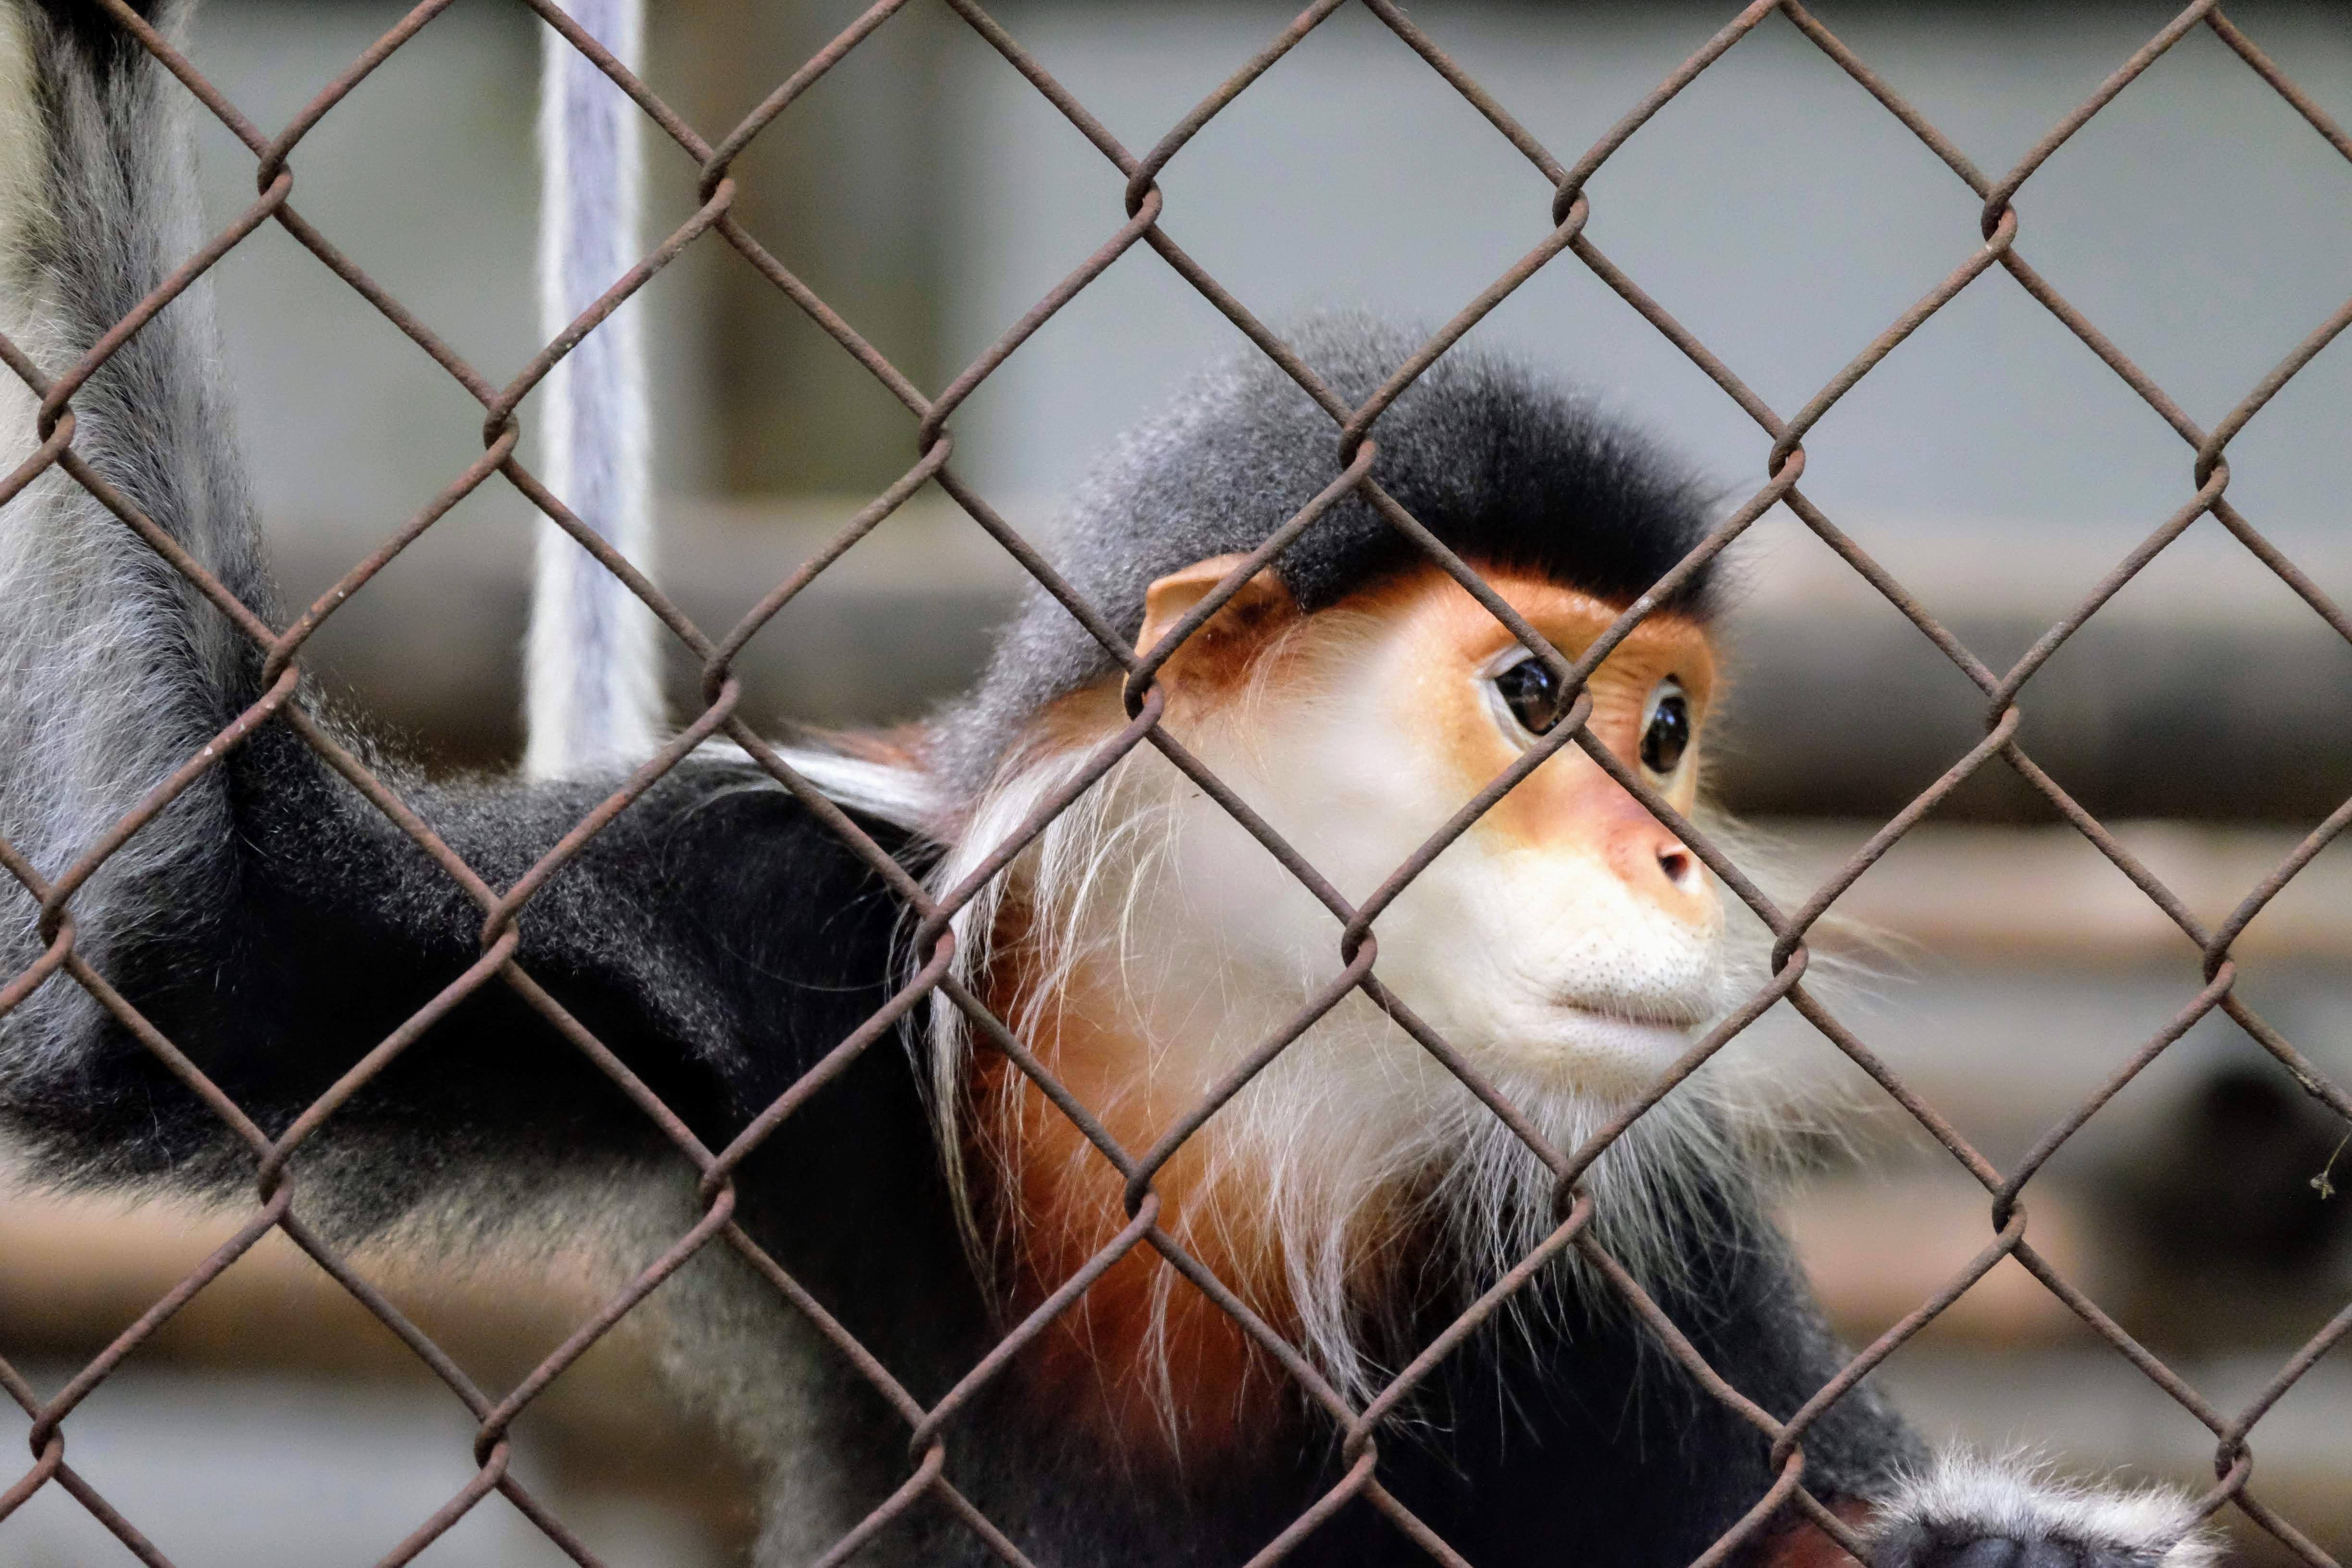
[(1146, 223)]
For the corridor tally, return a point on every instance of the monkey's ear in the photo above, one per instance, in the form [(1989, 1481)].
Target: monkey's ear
[(1261, 602)]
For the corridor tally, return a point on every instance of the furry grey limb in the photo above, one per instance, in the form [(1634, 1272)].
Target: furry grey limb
[(1936, 1513), (111, 666)]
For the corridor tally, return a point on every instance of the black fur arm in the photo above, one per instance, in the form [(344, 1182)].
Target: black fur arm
[(715, 938)]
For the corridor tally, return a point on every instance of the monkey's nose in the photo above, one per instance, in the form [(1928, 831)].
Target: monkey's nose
[(1655, 863)]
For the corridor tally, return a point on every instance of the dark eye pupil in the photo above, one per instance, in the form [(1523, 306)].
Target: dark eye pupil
[(1669, 734), (1532, 695)]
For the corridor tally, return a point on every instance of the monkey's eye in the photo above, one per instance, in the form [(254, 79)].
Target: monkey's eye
[(1667, 734), (1531, 692)]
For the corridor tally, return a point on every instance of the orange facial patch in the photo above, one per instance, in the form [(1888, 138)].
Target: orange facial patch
[(1450, 646)]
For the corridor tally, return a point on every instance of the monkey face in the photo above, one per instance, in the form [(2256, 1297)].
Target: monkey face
[(1567, 936), (1570, 932), (1566, 945)]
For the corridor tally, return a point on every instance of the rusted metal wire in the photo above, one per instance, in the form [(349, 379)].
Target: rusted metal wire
[(1143, 221)]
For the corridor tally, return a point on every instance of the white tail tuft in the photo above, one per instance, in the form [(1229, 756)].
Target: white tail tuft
[(592, 697)]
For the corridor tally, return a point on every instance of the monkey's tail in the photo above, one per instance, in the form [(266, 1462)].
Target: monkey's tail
[(594, 691), (115, 670)]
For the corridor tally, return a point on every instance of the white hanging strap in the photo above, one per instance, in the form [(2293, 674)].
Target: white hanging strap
[(593, 696)]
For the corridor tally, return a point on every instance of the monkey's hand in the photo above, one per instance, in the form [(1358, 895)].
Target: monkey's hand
[(1970, 1512)]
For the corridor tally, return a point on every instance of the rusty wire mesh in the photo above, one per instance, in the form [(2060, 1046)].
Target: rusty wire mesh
[(1356, 435)]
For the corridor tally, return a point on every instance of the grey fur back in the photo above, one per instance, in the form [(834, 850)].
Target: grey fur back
[(90, 718), (1502, 464)]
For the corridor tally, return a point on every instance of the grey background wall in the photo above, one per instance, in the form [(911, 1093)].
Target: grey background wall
[(1781, 214)]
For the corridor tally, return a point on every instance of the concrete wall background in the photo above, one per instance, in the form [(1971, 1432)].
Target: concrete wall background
[(1992, 462)]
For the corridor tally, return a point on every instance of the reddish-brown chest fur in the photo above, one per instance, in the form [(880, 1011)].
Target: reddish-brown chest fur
[(1145, 1356)]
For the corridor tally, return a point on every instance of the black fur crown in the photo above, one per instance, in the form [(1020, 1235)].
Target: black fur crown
[(1504, 467)]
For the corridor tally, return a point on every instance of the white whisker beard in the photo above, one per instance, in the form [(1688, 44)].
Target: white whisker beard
[(1353, 1150)]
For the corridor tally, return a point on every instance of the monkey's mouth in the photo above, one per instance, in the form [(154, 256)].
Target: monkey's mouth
[(1664, 1019), (1620, 1042)]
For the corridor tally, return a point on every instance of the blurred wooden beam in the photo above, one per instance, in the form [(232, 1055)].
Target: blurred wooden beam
[(2233, 702), (74, 1273)]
